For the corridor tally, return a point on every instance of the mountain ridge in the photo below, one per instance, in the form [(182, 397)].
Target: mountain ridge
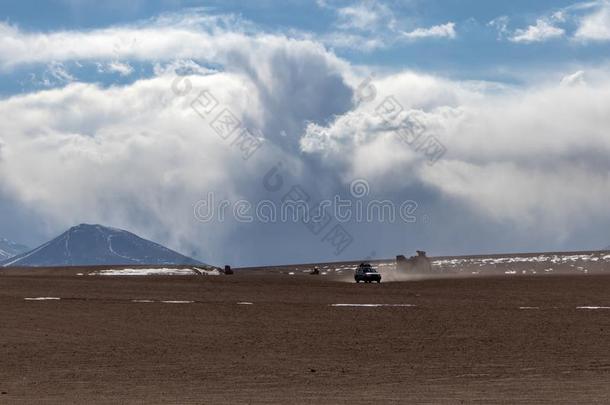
[(94, 245), (10, 249)]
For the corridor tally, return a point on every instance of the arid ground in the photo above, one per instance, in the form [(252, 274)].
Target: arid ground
[(267, 337)]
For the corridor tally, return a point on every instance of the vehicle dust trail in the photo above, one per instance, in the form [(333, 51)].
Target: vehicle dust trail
[(390, 273)]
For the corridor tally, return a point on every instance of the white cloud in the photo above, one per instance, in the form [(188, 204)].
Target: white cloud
[(59, 72), (370, 25), (365, 26), (170, 37), (438, 31), (182, 67), (574, 79), (542, 31), (591, 20), (364, 16), (138, 157), (511, 155), (559, 16), (596, 25), (55, 74), (501, 25), (122, 68)]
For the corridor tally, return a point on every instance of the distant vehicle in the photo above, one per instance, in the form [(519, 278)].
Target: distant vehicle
[(419, 264), (315, 271), (365, 272)]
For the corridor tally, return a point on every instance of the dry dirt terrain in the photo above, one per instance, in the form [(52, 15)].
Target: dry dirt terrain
[(481, 340)]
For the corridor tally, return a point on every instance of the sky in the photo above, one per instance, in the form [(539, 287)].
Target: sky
[(482, 126)]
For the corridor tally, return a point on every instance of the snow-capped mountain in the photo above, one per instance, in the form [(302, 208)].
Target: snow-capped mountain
[(91, 245), (9, 249)]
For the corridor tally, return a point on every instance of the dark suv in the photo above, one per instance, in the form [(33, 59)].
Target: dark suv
[(365, 272)]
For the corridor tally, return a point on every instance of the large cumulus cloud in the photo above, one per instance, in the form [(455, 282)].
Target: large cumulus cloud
[(523, 164), (534, 157), (138, 156)]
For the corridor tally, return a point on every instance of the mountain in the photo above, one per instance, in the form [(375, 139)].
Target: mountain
[(91, 245), (9, 249)]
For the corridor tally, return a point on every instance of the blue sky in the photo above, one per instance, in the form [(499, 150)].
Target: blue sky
[(516, 91), (478, 51)]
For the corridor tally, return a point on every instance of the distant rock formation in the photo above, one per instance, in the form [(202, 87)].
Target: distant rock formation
[(414, 264), (96, 245)]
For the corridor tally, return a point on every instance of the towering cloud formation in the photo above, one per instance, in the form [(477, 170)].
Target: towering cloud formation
[(531, 162), (139, 155), (533, 157)]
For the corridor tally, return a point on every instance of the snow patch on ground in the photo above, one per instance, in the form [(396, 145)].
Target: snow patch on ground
[(592, 307), (514, 260), (42, 299), (145, 272), (208, 272), (177, 302)]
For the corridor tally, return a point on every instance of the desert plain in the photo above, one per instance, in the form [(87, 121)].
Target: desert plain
[(280, 335)]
